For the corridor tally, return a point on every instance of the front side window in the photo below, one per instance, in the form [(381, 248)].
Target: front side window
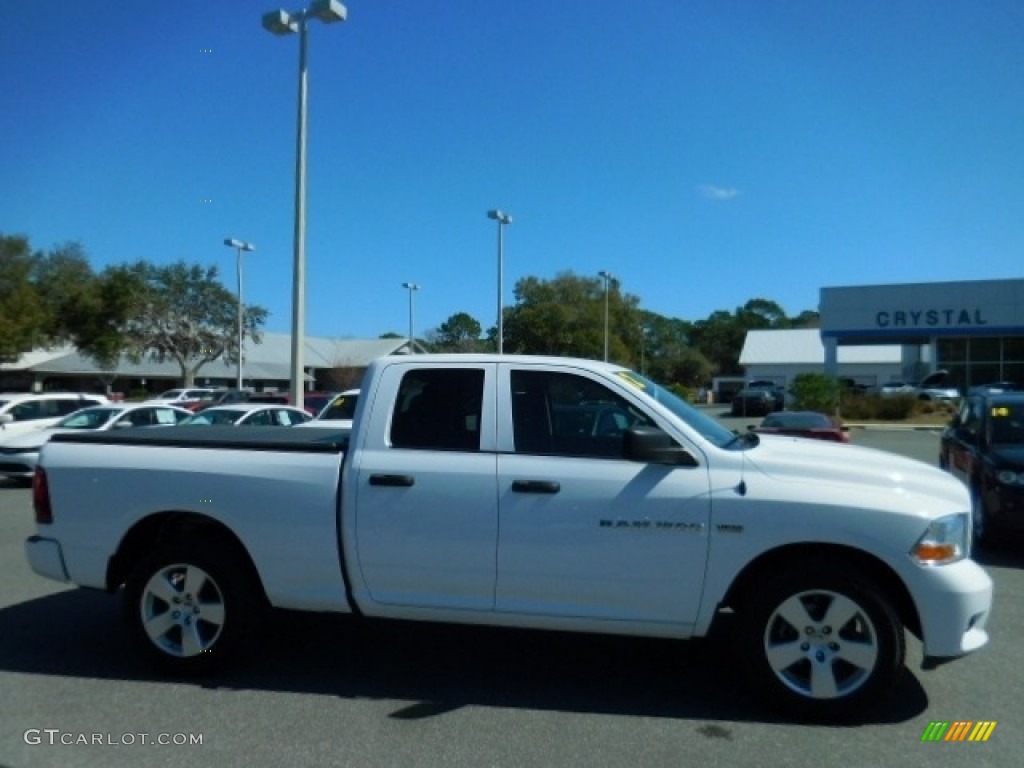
[(438, 409), (564, 414)]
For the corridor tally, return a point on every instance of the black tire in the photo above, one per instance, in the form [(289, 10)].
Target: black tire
[(190, 607), (798, 661)]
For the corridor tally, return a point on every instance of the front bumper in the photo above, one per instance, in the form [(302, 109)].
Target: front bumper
[(954, 603), (46, 558)]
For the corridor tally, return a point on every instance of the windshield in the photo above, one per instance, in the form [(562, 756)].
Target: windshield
[(90, 418), (706, 426), (342, 407), (1007, 424)]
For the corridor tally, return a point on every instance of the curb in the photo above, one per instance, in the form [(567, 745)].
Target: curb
[(898, 427)]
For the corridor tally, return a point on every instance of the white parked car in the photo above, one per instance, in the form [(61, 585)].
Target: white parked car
[(20, 454), (338, 413), (183, 397), (934, 386), (249, 415), (26, 411)]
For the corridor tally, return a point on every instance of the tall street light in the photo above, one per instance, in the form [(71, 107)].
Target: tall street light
[(239, 246), (412, 287), (608, 277), (282, 23), (502, 219)]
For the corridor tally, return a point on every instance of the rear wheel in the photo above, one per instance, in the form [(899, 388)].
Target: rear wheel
[(821, 641), (190, 607)]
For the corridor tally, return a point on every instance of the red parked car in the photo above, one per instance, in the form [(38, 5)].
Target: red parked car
[(819, 426)]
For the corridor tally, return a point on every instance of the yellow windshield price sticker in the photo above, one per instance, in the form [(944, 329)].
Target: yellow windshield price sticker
[(1002, 412), (632, 380)]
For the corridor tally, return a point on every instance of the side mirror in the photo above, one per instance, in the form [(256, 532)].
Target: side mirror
[(654, 446), (6, 418)]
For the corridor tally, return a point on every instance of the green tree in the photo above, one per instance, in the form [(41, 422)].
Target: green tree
[(23, 316), (721, 336), (565, 316), (720, 339), (459, 333), (99, 319), (183, 313)]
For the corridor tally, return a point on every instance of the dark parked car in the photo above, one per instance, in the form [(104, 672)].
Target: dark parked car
[(984, 447), (753, 401), (812, 424), (778, 393)]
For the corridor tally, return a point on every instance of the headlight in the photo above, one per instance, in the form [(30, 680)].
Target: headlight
[(1009, 477), (947, 540)]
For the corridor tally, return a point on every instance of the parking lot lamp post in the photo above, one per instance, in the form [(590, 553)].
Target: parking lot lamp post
[(282, 23), (607, 277), (239, 246), (412, 287), (502, 219)]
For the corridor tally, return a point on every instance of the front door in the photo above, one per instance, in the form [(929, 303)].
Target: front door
[(584, 532)]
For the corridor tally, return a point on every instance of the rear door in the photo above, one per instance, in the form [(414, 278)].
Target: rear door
[(584, 532), (426, 502)]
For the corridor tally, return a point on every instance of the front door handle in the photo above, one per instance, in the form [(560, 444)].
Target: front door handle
[(535, 486), (395, 481)]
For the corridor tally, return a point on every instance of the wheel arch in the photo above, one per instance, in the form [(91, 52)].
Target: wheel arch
[(159, 528), (835, 556)]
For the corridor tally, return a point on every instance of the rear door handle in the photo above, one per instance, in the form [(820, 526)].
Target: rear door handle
[(395, 481), (536, 486)]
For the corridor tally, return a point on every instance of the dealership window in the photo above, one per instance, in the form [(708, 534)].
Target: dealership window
[(952, 351), (987, 350), (982, 360), (1013, 349)]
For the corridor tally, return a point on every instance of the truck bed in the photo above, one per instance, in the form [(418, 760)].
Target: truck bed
[(218, 437)]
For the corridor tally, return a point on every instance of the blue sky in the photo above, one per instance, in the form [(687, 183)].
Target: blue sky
[(705, 152)]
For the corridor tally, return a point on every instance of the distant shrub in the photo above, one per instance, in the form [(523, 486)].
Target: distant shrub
[(896, 408), (815, 392), (685, 393)]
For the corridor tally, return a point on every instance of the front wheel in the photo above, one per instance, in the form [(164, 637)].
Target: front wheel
[(189, 607), (821, 642)]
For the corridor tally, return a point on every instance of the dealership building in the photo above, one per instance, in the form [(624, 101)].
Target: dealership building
[(880, 333)]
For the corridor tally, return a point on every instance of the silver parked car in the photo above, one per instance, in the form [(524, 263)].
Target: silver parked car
[(20, 453)]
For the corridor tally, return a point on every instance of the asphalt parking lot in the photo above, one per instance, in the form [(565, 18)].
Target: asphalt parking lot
[(331, 691)]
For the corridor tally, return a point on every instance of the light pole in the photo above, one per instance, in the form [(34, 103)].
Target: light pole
[(502, 219), (239, 246), (282, 23), (412, 287), (608, 277)]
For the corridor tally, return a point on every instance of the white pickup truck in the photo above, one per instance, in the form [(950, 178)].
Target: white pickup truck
[(530, 492)]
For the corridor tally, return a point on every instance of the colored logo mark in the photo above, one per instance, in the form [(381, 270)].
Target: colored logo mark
[(959, 730)]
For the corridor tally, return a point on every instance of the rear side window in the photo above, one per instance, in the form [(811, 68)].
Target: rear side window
[(439, 409)]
